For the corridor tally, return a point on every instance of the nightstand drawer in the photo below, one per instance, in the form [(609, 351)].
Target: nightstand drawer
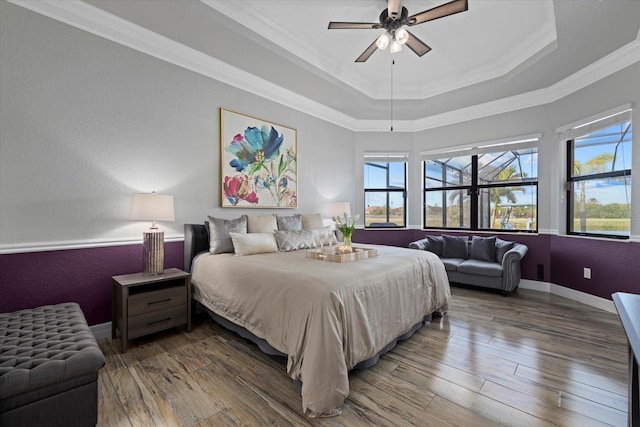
[(156, 321), (147, 302)]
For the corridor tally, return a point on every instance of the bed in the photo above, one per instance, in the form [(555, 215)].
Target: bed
[(326, 317)]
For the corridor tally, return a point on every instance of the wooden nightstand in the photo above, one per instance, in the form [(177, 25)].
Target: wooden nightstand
[(142, 304)]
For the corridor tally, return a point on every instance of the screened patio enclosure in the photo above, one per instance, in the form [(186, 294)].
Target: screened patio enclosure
[(491, 191)]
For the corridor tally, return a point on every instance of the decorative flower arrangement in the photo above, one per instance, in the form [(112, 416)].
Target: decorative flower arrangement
[(346, 226)]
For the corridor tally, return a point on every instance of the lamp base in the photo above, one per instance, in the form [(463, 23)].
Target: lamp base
[(153, 253)]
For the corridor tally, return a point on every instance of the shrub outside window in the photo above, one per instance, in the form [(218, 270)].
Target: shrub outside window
[(485, 191), (599, 182), (385, 193)]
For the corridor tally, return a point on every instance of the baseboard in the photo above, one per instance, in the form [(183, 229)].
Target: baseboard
[(572, 294), (103, 330)]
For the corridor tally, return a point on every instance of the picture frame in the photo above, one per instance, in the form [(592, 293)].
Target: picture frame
[(258, 162)]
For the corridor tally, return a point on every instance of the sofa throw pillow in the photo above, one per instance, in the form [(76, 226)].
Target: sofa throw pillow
[(454, 246), (483, 248), (253, 243), (291, 240), (219, 239), (261, 223), (289, 223), (312, 221), (502, 247), (435, 244)]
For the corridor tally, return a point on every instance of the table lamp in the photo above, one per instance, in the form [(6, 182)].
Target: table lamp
[(153, 207)]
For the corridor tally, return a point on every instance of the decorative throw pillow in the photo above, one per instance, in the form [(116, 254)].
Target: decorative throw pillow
[(324, 236), (435, 244), (253, 243), (454, 246), (219, 229), (290, 240), (261, 223), (312, 221), (502, 247), (483, 248), (289, 223)]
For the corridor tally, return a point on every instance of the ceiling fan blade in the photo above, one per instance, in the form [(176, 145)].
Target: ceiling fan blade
[(417, 45), (353, 25), (393, 8), (368, 52), (441, 11)]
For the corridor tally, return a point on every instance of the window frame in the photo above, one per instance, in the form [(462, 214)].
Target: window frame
[(371, 160), (570, 196), (474, 188)]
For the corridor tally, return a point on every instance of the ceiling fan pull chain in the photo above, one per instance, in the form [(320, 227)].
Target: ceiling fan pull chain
[(393, 62)]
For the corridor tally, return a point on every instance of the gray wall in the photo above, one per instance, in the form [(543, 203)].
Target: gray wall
[(85, 122)]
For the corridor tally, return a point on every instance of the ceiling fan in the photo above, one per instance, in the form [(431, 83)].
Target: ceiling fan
[(393, 19)]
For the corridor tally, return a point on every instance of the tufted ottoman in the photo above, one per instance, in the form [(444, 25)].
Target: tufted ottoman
[(49, 363)]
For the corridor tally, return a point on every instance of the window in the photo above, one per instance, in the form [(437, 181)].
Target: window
[(488, 190), (385, 190), (599, 178)]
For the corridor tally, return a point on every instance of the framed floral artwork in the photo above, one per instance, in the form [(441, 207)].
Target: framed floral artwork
[(258, 162)]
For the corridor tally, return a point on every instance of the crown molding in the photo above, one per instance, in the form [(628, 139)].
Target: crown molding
[(98, 22)]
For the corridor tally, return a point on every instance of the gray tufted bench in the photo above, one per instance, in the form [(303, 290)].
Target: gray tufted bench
[(49, 363)]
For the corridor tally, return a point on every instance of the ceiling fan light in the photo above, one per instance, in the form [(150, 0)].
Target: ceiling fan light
[(383, 41), (395, 47), (402, 35)]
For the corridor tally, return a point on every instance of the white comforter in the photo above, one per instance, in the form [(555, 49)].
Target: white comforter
[(325, 316)]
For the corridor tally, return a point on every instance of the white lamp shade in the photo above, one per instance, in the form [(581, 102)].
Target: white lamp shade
[(402, 35), (152, 207), (338, 209), (395, 46), (383, 41)]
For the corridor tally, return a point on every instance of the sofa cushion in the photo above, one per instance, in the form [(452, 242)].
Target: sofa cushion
[(483, 248), (481, 268), (454, 246), (502, 247), (451, 264)]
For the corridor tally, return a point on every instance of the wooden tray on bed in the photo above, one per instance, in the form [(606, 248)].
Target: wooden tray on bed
[(330, 254)]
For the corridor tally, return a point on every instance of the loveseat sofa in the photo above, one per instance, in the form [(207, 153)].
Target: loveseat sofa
[(487, 262)]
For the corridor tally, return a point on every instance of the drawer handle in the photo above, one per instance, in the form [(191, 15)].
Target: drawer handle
[(158, 321), (158, 302)]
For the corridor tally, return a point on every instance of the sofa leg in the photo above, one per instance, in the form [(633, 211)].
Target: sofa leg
[(505, 293)]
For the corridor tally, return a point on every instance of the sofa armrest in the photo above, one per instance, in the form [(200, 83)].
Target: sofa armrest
[(511, 273)]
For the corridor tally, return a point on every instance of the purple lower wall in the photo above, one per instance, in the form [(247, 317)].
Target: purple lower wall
[(33, 279), (615, 265), (84, 275)]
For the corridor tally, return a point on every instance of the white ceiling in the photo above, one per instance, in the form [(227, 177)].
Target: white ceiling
[(463, 52), (498, 56)]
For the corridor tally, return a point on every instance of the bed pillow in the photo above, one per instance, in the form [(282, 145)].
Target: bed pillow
[(312, 221), (219, 239), (253, 243), (291, 240), (502, 247), (289, 223), (324, 236), (261, 223), (483, 248), (454, 246)]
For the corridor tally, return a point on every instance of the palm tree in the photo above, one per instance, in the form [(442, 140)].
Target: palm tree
[(597, 164), (504, 193)]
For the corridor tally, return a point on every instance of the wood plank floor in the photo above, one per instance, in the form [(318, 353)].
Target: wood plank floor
[(531, 359)]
